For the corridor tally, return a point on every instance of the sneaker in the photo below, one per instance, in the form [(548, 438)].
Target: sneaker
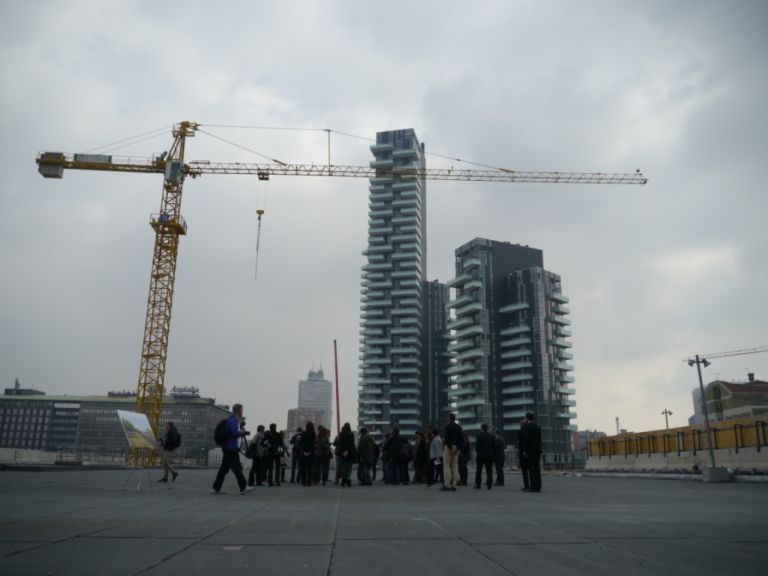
[(163, 480), (216, 492), (175, 475), (245, 491), (444, 489), (453, 488)]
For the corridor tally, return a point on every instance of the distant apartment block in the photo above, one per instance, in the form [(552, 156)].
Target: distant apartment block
[(391, 392), (510, 343)]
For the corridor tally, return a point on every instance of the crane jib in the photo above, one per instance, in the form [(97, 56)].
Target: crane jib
[(53, 164)]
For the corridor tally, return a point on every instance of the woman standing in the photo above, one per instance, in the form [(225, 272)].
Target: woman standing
[(322, 456), (346, 448), (308, 442)]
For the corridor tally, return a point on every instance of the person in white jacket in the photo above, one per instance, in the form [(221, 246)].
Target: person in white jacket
[(434, 473)]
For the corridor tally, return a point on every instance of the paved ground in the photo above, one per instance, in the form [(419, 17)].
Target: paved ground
[(96, 522)]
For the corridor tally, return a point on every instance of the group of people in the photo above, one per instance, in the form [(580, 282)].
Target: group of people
[(434, 456)]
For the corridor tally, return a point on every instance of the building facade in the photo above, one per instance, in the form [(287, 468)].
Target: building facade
[(510, 344), (88, 426), (437, 358), (316, 394), (298, 418), (391, 362), (729, 400)]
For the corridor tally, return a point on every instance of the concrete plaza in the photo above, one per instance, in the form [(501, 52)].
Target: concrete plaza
[(97, 522)]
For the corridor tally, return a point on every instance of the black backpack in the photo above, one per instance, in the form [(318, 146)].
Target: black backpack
[(220, 433)]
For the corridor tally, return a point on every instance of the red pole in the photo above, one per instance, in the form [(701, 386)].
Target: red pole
[(336, 364)]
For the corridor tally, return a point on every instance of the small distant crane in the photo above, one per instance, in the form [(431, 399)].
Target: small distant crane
[(169, 225)]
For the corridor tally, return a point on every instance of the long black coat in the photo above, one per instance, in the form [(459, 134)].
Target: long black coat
[(308, 440), (530, 439), (485, 446)]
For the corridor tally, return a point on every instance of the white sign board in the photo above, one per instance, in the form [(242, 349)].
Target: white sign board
[(137, 430)]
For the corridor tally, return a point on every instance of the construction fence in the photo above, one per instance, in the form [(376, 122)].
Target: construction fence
[(740, 443)]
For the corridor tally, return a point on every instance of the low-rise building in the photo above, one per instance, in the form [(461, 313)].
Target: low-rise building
[(88, 428), (729, 400)]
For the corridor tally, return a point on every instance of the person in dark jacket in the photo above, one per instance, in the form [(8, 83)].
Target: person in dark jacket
[(346, 449), (453, 440), (420, 459), (521, 441), (532, 451), (307, 454), (271, 457), (500, 451), (366, 455), (295, 453), (485, 456), (323, 455), (170, 442), (257, 451), (231, 452), (465, 457)]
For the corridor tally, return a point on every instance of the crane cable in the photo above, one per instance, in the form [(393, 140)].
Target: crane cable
[(259, 214)]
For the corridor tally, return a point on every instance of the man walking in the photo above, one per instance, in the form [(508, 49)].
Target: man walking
[(485, 454), (231, 451), (453, 440), (171, 441), (532, 451)]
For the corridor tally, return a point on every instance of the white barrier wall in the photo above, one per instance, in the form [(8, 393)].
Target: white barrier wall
[(745, 460)]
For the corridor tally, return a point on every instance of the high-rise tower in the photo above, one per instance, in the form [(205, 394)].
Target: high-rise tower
[(316, 393), (510, 331), (437, 358), (390, 391)]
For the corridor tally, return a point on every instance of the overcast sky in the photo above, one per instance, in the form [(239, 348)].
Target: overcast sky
[(654, 273)]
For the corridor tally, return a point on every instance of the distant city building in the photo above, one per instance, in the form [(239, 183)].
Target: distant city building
[(510, 341), (437, 358), (729, 400), (88, 425), (17, 390), (698, 414), (316, 394), (298, 418), (391, 390)]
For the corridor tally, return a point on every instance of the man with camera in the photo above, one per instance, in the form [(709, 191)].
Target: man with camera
[(231, 451)]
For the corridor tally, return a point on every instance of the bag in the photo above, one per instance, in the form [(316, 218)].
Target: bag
[(220, 433), (249, 451), (178, 440)]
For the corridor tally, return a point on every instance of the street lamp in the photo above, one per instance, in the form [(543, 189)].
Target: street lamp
[(699, 361), (667, 413)]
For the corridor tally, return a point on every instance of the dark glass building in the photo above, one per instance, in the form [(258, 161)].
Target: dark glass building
[(510, 344)]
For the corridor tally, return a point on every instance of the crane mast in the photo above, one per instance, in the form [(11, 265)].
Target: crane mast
[(169, 226)]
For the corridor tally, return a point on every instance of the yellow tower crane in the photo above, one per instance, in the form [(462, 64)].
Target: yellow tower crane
[(169, 225)]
